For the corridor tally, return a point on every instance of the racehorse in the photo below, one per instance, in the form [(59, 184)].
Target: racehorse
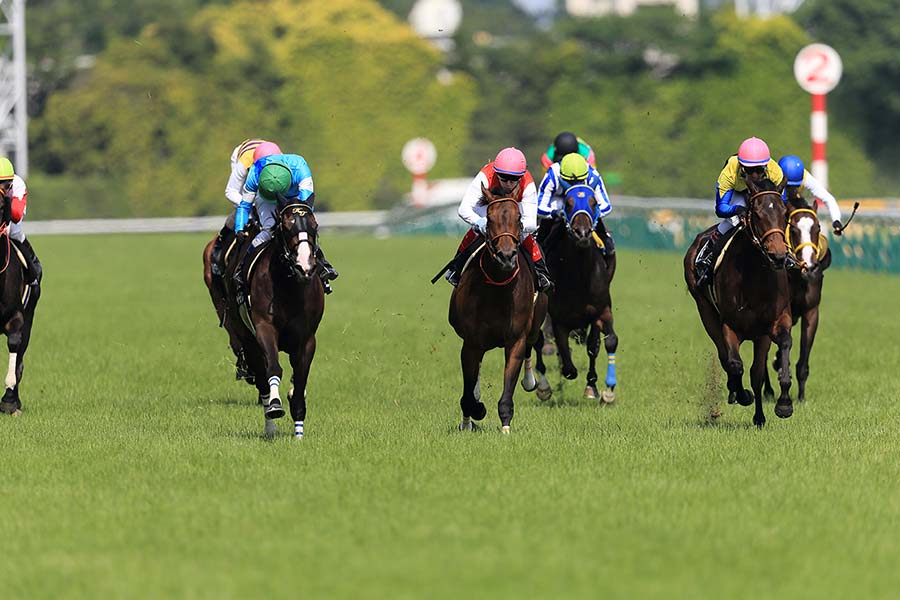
[(749, 297), (496, 305), (806, 241), (581, 298), (286, 303), (17, 303)]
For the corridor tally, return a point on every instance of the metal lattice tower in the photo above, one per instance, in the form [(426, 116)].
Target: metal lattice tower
[(13, 93)]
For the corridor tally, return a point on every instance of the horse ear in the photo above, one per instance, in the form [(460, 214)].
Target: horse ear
[(486, 195), (781, 185)]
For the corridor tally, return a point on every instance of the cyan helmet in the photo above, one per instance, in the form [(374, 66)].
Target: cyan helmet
[(573, 167), (793, 169), (274, 179)]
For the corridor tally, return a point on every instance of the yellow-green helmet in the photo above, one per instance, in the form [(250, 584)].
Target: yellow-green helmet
[(573, 167), (7, 171)]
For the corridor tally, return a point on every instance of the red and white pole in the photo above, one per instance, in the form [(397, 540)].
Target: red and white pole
[(819, 134)]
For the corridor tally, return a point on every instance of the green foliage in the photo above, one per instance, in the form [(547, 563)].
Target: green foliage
[(343, 83)]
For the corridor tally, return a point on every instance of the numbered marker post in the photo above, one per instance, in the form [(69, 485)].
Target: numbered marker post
[(818, 70), (419, 155)]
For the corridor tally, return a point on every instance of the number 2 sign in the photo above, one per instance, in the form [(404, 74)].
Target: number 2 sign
[(818, 68)]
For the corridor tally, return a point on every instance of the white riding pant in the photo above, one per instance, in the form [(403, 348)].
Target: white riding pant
[(737, 199), (16, 232)]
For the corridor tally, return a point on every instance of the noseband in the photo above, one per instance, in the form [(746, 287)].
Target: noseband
[(759, 240)]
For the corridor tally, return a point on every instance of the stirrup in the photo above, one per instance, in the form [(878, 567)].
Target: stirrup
[(452, 277)]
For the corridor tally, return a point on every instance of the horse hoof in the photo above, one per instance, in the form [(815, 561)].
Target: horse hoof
[(783, 411), (548, 349), (271, 429), (529, 383), (10, 408), (505, 430), (745, 397), (544, 391), (759, 422), (467, 425), (591, 392), (479, 412), (274, 410), (570, 374), (608, 396)]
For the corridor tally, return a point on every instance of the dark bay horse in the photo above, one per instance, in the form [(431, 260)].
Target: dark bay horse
[(749, 298), (581, 298), (286, 304), (806, 241), (496, 305), (17, 303)]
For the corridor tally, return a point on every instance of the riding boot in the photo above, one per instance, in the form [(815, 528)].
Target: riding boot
[(35, 271), (544, 282), (241, 285), (609, 245), (326, 271), (706, 256), (454, 271), (216, 259)]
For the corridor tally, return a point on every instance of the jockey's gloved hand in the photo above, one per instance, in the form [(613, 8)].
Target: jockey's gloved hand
[(838, 227), (481, 225), (559, 214), (740, 211)]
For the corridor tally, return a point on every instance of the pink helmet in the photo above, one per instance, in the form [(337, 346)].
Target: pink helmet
[(753, 152), (510, 161), (265, 149)]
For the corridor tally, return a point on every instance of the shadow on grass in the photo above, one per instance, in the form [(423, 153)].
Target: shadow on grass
[(719, 424)]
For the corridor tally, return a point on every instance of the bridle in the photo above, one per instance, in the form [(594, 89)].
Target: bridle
[(492, 243), (300, 210), (760, 240)]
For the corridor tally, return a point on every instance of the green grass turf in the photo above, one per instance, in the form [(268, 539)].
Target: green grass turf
[(138, 469)]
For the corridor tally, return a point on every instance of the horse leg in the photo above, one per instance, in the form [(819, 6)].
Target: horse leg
[(470, 402), (543, 386), (565, 353), (758, 372), (515, 354), (768, 392), (783, 406), (611, 344), (267, 338), (301, 359), (593, 349), (529, 381), (10, 403), (730, 358), (808, 327)]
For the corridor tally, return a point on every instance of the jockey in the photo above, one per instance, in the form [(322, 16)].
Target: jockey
[(285, 175), (15, 197), (242, 158), (752, 161), (798, 177), (507, 171), (567, 143), (573, 169)]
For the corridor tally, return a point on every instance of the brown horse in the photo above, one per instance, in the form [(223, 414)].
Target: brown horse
[(811, 249), (286, 304), (749, 298), (581, 298), (17, 303), (496, 305)]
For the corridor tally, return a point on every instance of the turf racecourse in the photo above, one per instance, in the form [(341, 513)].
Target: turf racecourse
[(138, 470)]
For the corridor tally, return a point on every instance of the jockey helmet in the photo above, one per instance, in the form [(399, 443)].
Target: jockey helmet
[(753, 152), (7, 171), (510, 161), (565, 143), (573, 167), (273, 180), (265, 149), (793, 169)]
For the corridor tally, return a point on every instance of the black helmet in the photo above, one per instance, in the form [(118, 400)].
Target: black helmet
[(565, 143)]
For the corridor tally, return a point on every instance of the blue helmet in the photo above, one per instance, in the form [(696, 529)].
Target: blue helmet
[(793, 169)]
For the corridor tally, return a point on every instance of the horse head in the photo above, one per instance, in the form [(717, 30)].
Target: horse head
[(804, 234), (765, 220), (582, 213), (297, 237), (504, 227)]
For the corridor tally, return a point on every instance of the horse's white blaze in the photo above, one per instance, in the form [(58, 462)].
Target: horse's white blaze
[(304, 252), (11, 373), (805, 226)]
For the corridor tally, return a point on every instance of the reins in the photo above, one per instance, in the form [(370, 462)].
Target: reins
[(490, 245), (759, 241), (4, 232)]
